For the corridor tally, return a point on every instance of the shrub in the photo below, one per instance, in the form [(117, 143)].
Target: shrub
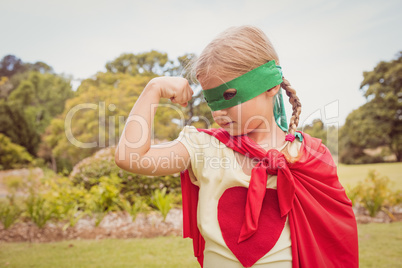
[(12, 155), (38, 209), (91, 169), (133, 209), (105, 196), (162, 201), (9, 212), (65, 200), (374, 194)]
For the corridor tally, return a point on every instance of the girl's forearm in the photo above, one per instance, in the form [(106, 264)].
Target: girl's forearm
[(136, 136)]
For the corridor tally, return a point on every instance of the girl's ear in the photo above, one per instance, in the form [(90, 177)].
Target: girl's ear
[(272, 92)]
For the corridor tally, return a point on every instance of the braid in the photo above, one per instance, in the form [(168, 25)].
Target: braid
[(296, 105), (294, 120)]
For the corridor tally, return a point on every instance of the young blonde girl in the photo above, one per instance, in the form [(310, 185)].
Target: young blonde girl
[(256, 193)]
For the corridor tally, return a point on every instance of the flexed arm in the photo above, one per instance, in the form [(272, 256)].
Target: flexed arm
[(134, 152)]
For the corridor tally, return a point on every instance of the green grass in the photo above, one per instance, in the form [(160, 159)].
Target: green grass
[(350, 175), (380, 246), (155, 252)]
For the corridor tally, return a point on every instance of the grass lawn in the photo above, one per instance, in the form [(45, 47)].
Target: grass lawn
[(350, 175), (380, 246), (153, 252)]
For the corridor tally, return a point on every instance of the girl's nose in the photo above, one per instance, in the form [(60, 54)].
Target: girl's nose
[(219, 113)]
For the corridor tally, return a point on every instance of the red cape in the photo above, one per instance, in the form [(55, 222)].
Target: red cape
[(322, 223)]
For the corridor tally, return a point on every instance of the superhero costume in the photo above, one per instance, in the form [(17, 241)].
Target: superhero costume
[(322, 223)]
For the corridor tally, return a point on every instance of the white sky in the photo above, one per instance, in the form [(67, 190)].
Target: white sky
[(324, 46)]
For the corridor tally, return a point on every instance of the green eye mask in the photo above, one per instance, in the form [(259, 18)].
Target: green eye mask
[(248, 86)]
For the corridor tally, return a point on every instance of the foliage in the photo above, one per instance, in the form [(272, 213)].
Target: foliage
[(316, 129), (110, 96), (162, 201), (5, 87), (12, 155), (95, 116), (105, 196), (9, 212), (66, 200), (147, 63), (42, 97), (133, 209), (14, 125), (379, 121), (358, 133), (56, 197), (29, 108), (93, 119), (88, 172), (374, 193), (11, 65), (328, 135), (38, 209), (96, 187)]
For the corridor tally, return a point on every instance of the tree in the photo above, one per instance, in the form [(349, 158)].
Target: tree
[(147, 63), (379, 121), (5, 87), (328, 135), (126, 63), (97, 115), (12, 155), (29, 109), (14, 125), (11, 65), (109, 97), (152, 62), (383, 87), (316, 129)]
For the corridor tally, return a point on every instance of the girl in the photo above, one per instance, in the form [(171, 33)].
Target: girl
[(256, 192)]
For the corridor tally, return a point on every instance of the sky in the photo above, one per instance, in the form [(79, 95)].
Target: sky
[(323, 46)]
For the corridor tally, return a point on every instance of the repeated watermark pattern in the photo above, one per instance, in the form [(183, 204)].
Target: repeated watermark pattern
[(129, 150)]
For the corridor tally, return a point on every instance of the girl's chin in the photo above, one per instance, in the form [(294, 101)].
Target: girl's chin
[(234, 131)]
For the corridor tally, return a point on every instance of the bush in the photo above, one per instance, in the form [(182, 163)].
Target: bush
[(105, 196), (133, 209), (9, 212), (68, 202), (12, 155), (38, 209), (56, 197), (374, 194), (162, 201), (89, 170)]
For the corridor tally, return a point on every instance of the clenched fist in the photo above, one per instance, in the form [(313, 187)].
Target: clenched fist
[(177, 89)]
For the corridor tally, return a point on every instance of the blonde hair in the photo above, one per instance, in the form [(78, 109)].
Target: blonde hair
[(237, 51)]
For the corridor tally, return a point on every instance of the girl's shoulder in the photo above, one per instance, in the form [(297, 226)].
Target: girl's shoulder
[(199, 141), (203, 136)]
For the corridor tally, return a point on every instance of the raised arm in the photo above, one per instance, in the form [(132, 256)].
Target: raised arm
[(134, 152)]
